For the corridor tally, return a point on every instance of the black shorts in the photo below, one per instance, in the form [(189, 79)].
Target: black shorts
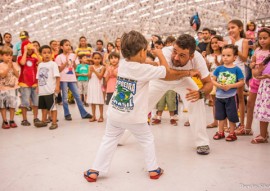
[(47, 102), (226, 108)]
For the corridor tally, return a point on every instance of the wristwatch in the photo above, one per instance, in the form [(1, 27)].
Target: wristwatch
[(202, 94)]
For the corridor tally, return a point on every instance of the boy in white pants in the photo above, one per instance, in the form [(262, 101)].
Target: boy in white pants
[(129, 105)]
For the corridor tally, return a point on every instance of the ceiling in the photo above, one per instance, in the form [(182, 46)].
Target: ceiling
[(107, 19)]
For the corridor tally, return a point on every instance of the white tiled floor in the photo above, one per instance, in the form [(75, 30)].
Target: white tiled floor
[(34, 159)]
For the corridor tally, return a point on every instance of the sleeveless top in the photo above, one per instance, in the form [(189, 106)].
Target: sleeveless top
[(238, 62)]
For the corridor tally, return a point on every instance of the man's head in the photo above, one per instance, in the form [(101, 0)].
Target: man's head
[(134, 44), (24, 35), (183, 50), (99, 45), (7, 38), (206, 32)]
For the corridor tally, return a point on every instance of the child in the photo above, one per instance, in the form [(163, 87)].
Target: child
[(129, 105), (213, 60), (227, 78), (237, 37), (28, 81), (259, 55), (262, 106), (9, 73), (48, 86), (111, 74), (250, 35), (82, 73), (66, 64), (95, 94)]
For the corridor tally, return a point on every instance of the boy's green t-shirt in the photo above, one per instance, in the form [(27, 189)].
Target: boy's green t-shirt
[(82, 69)]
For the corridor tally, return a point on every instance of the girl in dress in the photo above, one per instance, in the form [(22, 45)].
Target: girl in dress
[(262, 105), (96, 73)]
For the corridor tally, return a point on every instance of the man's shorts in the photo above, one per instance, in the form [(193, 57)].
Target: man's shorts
[(8, 98), (226, 108), (82, 87), (28, 93), (47, 102)]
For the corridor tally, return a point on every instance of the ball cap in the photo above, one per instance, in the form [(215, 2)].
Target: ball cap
[(24, 34)]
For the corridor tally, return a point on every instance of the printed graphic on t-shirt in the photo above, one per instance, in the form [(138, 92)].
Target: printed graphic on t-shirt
[(125, 91), (226, 78), (43, 76), (29, 63)]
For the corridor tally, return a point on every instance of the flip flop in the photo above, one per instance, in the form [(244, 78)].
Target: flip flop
[(92, 119), (211, 126), (100, 120)]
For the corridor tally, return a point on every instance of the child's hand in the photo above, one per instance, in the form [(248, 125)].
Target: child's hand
[(263, 76), (232, 40), (226, 87), (91, 68), (204, 54), (57, 90), (156, 52), (222, 43)]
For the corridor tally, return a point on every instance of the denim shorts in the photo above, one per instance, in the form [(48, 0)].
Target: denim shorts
[(226, 108), (28, 93)]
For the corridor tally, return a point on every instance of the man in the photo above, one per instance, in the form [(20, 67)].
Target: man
[(99, 46), (17, 48), (206, 33), (8, 39), (182, 56)]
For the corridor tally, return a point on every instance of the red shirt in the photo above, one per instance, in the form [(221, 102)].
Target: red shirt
[(28, 72)]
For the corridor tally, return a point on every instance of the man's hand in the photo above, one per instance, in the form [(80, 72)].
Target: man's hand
[(195, 73), (192, 95)]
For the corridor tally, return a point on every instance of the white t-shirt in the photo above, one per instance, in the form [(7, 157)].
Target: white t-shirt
[(46, 75), (211, 59), (197, 62), (129, 103)]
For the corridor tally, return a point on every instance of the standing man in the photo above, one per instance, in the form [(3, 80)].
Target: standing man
[(17, 47), (182, 56), (206, 34), (7, 40), (99, 47)]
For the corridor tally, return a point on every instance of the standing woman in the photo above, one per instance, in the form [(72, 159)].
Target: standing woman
[(83, 48), (110, 48), (66, 64)]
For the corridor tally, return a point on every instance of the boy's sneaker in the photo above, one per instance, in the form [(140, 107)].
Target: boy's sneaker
[(53, 126), (25, 123), (156, 122), (203, 150), (40, 124), (5, 125), (68, 118), (12, 124)]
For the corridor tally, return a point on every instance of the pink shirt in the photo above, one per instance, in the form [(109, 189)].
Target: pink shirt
[(260, 55), (68, 74), (112, 79)]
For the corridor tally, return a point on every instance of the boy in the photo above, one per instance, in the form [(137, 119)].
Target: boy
[(129, 105), (9, 73), (227, 78), (82, 74), (27, 80), (48, 86), (111, 74)]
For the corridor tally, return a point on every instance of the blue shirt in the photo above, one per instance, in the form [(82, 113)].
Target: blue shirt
[(227, 76)]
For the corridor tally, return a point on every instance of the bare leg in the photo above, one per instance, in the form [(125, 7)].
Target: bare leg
[(35, 112), (232, 127), (263, 128), (54, 116), (24, 111), (241, 105), (44, 115), (93, 106), (11, 113), (215, 122), (221, 125), (250, 109), (4, 114), (101, 113)]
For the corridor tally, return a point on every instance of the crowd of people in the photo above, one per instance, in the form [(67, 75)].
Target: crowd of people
[(230, 74)]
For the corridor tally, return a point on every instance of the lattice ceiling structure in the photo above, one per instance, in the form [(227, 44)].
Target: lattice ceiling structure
[(107, 19)]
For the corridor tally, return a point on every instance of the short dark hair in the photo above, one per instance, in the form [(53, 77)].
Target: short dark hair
[(81, 56), (159, 42), (6, 50), (114, 54), (207, 29), (7, 34), (99, 41), (186, 41), (233, 47), (52, 41), (132, 43), (44, 47), (213, 32), (170, 39)]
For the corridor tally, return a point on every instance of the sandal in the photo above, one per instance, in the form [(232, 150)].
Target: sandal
[(231, 137), (25, 123), (212, 125), (88, 173), (187, 124), (259, 139), (92, 119), (159, 172), (219, 135), (100, 120), (242, 131)]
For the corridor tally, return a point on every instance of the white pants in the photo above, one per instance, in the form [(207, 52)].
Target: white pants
[(114, 131), (196, 110)]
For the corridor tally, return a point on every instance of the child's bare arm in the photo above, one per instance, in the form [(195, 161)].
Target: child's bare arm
[(215, 83), (101, 74), (23, 59)]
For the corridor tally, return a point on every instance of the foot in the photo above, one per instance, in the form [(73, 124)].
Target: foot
[(219, 135), (243, 131), (100, 119), (187, 124), (155, 174), (212, 125), (5, 125), (25, 123), (92, 119), (12, 124), (53, 126), (203, 150), (231, 137), (173, 122), (91, 175), (156, 121), (41, 124), (68, 118), (259, 139)]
